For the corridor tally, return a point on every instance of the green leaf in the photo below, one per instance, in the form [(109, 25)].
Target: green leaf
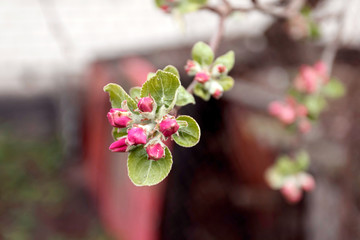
[(119, 132), (118, 95), (314, 30), (226, 82), (202, 53), (135, 92), (315, 104), (145, 172), (227, 60), (187, 136), (200, 91), (302, 160), (184, 97), (190, 5), (173, 70), (150, 75), (334, 89), (163, 88)]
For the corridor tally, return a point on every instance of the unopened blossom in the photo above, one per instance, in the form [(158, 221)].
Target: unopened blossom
[(283, 111), (308, 80), (191, 67), (155, 151), (291, 191), (307, 182), (118, 117), (119, 145), (136, 135), (321, 70), (202, 77), (168, 127), (217, 94), (145, 104)]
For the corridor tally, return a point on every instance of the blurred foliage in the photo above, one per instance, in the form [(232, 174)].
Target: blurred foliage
[(34, 194)]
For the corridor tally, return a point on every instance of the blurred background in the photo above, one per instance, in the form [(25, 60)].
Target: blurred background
[(58, 180)]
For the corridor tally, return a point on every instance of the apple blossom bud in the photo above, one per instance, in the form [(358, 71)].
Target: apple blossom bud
[(136, 135), (118, 117), (291, 192), (165, 8), (202, 77), (221, 68), (146, 104), (284, 112), (307, 182), (218, 93), (301, 110), (168, 127), (304, 125), (119, 145), (307, 81), (192, 67), (155, 151)]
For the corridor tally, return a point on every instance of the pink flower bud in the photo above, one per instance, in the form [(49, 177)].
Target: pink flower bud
[(118, 117), (119, 145), (155, 151), (307, 182), (165, 8), (202, 77), (168, 127), (146, 104), (217, 94), (291, 192), (136, 135), (284, 112), (307, 81), (191, 67), (301, 110), (221, 68), (304, 125)]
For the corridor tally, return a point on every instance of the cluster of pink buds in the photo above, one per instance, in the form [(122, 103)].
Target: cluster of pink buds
[(141, 130), (206, 77), (311, 78), (294, 185), (289, 112)]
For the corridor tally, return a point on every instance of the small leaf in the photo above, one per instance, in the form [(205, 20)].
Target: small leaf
[(190, 5), (302, 160), (200, 91), (145, 172), (315, 104), (173, 70), (334, 89), (226, 82), (227, 60), (118, 95), (202, 53), (313, 30), (150, 75), (273, 178), (184, 97), (163, 88), (135, 92), (187, 136), (119, 132)]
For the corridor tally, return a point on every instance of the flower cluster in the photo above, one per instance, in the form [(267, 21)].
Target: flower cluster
[(290, 112), (141, 130), (304, 101), (211, 77), (288, 175), (293, 185)]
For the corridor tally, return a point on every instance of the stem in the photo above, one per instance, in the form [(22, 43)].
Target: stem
[(216, 38)]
